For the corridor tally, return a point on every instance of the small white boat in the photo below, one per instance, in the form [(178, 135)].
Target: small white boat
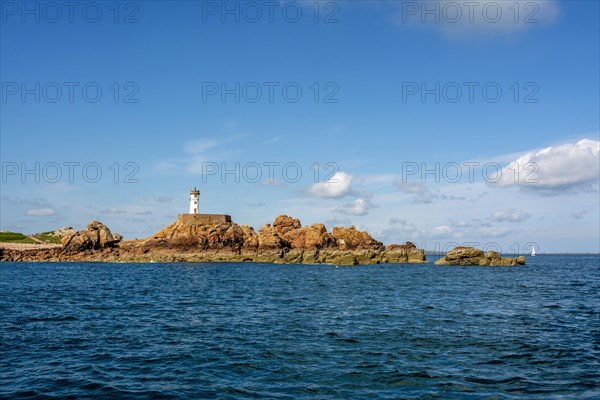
[(533, 251)]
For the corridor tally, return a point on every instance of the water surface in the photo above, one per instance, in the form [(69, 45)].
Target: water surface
[(287, 331)]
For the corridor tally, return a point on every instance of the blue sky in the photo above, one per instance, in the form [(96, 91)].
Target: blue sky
[(370, 62)]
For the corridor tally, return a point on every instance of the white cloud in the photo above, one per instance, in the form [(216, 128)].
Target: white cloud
[(461, 223), (112, 210), (271, 182), (400, 231), (273, 140), (480, 19), (337, 186), (41, 212), (199, 157), (357, 207), (566, 168), (199, 145), (422, 194), (402, 225), (441, 231), (511, 215)]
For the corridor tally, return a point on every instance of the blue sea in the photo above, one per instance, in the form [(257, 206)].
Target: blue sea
[(87, 330)]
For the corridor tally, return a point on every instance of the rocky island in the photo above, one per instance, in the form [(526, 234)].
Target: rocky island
[(195, 237), (472, 256), (215, 238)]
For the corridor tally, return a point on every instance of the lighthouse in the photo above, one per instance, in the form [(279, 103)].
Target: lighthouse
[(194, 199), (195, 218)]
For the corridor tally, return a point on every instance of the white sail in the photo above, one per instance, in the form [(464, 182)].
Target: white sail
[(533, 251)]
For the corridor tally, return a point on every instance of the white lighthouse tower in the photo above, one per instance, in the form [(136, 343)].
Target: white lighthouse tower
[(194, 200)]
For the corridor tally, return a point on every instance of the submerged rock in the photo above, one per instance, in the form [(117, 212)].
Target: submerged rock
[(472, 256)]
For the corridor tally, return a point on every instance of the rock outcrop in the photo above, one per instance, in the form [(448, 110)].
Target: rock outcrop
[(352, 239), (473, 256), (295, 236), (67, 230), (186, 239), (95, 236)]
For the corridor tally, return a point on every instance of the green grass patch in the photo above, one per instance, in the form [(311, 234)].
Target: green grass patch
[(15, 237), (46, 237)]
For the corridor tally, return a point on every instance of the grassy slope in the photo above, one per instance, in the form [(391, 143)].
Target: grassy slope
[(14, 237), (47, 238)]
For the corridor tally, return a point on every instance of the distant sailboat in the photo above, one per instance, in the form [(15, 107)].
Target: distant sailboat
[(533, 251)]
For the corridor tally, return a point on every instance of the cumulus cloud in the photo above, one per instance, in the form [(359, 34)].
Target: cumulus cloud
[(484, 18), (41, 212), (358, 207), (567, 168), (441, 231), (455, 231), (337, 186), (511, 215)]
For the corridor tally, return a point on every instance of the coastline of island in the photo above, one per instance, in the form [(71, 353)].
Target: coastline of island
[(212, 238)]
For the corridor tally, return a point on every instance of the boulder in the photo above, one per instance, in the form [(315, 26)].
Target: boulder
[(472, 256), (268, 239), (63, 231), (250, 237), (353, 239), (309, 237), (95, 236), (404, 253), (284, 224)]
